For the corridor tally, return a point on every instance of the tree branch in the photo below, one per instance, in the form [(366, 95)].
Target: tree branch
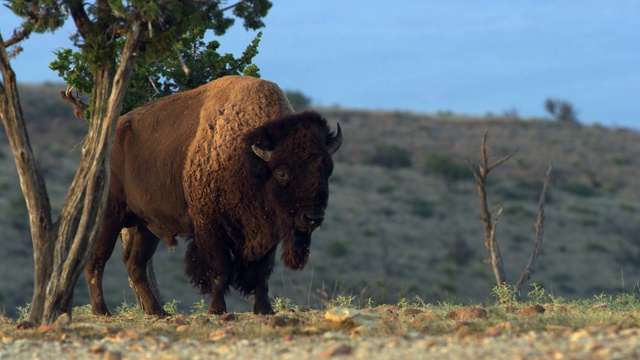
[(231, 6), (77, 104), (526, 274), (480, 173), (79, 15), (17, 37)]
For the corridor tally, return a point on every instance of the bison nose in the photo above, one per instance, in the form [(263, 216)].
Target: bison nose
[(313, 220)]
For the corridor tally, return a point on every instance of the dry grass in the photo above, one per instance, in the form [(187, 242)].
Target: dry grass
[(405, 319)]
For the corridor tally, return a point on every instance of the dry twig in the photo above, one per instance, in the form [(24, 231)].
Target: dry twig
[(480, 173), (77, 104), (526, 274)]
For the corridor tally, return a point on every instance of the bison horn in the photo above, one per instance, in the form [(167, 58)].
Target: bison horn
[(334, 145), (262, 153)]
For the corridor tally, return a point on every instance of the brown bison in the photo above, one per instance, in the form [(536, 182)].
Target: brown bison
[(227, 165)]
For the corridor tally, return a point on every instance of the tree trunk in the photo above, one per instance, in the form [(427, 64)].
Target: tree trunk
[(59, 263), (31, 182), (82, 213)]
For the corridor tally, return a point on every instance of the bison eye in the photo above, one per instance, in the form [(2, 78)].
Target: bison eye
[(282, 175)]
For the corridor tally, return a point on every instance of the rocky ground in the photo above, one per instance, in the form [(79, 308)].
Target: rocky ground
[(549, 344), (387, 333)]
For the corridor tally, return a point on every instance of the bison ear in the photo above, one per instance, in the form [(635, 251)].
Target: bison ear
[(334, 142), (262, 153)]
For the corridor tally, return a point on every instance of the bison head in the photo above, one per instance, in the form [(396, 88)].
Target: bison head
[(291, 160)]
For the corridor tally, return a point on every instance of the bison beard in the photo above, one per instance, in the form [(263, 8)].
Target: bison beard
[(295, 250)]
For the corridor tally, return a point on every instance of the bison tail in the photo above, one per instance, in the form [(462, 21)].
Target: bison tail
[(195, 268)]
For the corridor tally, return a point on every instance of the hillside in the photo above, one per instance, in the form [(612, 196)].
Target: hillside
[(397, 227)]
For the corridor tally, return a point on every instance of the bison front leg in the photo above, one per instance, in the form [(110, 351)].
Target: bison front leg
[(209, 268), (262, 272), (138, 251)]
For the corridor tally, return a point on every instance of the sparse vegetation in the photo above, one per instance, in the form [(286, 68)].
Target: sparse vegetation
[(446, 167), (422, 208), (298, 100), (390, 156), (337, 248), (578, 188)]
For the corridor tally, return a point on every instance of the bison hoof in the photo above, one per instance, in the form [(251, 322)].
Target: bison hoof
[(101, 313), (160, 314), (263, 310), (216, 312)]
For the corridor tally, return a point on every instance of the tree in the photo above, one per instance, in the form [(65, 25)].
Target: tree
[(561, 110), (111, 36), (480, 172), (298, 100)]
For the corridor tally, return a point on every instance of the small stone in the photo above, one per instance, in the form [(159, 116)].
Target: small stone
[(65, 338), (62, 321), (201, 319), (112, 355), (46, 328), (340, 349), (218, 335), (532, 310), (182, 328), (340, 314), (129, 335), (494, 331), (462, 324), (97, 349), (282, 321), (228, 317), (110, 330), (179, 320), (428, 316), (600, 307), (413, 312), (25, 325), (468, 313), (351, 317)]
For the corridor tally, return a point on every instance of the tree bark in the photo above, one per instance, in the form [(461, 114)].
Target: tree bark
[(82, 213), (31, 182)]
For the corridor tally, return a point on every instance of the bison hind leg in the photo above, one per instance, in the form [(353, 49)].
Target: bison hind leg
[(196, 268)]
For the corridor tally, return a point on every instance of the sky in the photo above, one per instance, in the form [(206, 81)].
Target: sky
[(466, 56)]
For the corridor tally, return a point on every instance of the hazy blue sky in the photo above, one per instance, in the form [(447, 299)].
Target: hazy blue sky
[(469, 56)]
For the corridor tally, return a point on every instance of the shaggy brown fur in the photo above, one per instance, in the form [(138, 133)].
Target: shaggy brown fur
[(227, 164)]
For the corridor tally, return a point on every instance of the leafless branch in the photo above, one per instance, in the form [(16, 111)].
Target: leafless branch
[(231, 6), (480, 173), (483, 148), (77, 104), (526, 274), (17, 37)]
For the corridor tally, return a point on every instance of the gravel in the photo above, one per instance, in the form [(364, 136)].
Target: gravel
[(555, 343)]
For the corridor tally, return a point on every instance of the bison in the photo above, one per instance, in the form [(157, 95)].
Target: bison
[(230, 167)]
